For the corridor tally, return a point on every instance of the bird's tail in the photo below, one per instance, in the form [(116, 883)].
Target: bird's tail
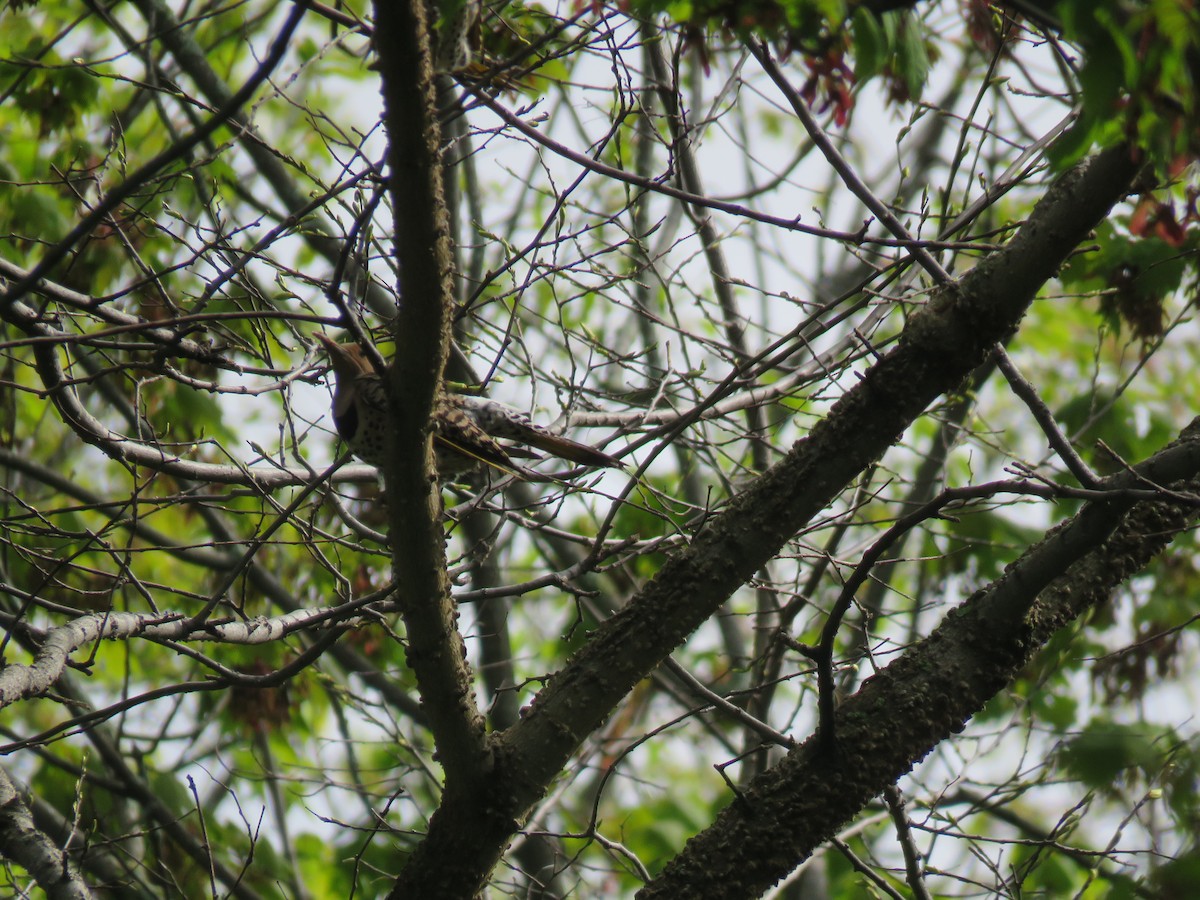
[(572, 451)]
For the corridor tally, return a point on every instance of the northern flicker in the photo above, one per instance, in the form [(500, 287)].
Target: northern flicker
[(466, 428), (455, 27)]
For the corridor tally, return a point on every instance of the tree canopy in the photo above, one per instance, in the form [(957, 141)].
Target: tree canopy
[(886, 309)]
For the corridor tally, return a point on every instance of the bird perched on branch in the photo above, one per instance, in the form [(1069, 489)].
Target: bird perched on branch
[(455, 26), (467, 430)]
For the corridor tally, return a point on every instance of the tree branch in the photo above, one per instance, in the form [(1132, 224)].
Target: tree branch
[(940, 346), (136, 181), (435, 652), (903, 712), (23, 843)]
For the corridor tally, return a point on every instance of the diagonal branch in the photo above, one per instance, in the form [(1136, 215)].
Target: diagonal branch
[(843, 168), (22, 842), (939, 347), (903, 712)]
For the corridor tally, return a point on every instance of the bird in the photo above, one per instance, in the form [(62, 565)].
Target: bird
[(467, 430), (455, 26)]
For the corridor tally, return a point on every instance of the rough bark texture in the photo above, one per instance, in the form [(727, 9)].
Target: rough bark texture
[(929, 693), (435, 651), (940, 346)]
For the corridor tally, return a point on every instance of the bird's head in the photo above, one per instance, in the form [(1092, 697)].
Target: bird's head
[(348, 360)]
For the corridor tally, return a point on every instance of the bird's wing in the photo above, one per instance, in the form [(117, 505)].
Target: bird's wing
[(456, 432)]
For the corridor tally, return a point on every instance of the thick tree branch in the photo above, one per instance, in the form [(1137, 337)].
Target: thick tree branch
[(940, 346), (22, 842), (904, 711), (20, 681), (435, 652)]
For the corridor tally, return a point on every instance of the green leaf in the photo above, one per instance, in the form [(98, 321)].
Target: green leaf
[(912, 56), (1104, 750), (1179, 877), (870, 45)]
